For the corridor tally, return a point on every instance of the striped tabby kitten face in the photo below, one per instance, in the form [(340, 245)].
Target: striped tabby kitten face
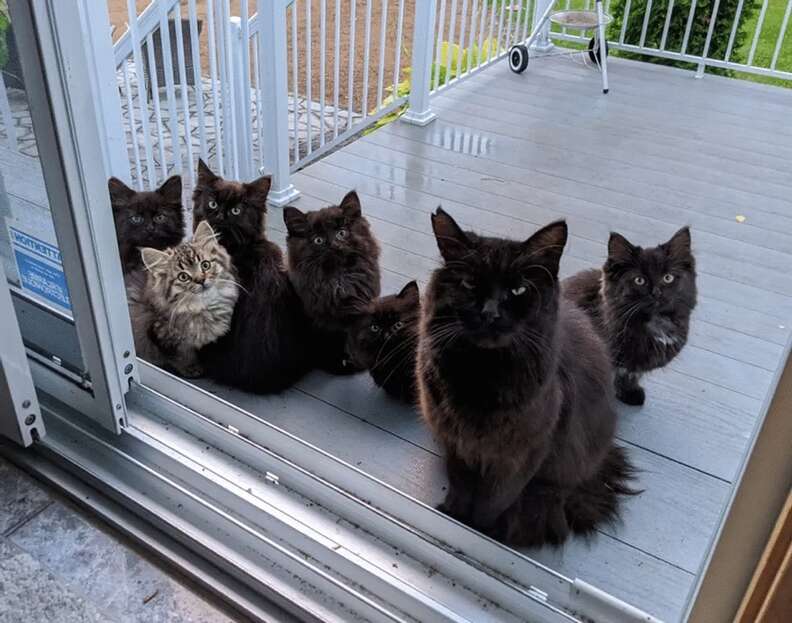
[(192, 274)]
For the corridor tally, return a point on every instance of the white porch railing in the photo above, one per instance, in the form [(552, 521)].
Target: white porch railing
[(285, 81)]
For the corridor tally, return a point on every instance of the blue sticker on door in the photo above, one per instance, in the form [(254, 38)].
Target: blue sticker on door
[(40, 268)]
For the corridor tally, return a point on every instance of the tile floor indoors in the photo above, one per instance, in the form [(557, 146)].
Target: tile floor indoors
[(60, 565)]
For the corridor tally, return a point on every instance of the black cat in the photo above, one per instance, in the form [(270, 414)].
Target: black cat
[(334, 266), (641, 303), (267, 347), (384, 340), (146, 219), (515, 383)]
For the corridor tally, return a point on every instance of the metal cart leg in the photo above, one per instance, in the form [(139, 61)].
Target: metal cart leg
[(602, 45)]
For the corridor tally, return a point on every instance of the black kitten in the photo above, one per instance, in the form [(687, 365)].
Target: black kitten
[(333, 263), (641, 302), (267, 346), (384, 342), (146, 218), (515, 383)]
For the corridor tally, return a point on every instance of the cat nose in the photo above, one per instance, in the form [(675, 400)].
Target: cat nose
[(200, 280), (656, 292), (490, 312)]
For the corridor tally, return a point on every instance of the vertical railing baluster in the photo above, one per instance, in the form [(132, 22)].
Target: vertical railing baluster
[(664, 36), (212, 45), (247, 122), (308, 78), (274, 82), (322, 68), (381, 68), (492, 52), (366, 59), (781, 35), (461, 44), (419, 112), (185, 96), (626, 19), (230, 40), (451, 31), (439, 44), (645, 24), (155, 98), (295, 82), (688, 27), (471, 36), (197, 75), (757, 32), (710, 30), (397, 60), (132, 126), (351, 61), (500, 25), (142, 92), (170, 89), (336, 66)]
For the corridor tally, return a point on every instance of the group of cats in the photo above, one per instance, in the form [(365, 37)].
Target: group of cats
[(513, 369)]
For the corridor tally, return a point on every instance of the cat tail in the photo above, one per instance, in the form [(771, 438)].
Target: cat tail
[(597, 500)]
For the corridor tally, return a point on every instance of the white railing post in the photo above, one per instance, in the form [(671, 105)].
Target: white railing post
[(242, 127), (542, 42), (419, 112), (274, 86), (96, 30)]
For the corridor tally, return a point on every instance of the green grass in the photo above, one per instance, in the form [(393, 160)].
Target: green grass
[(766, 43)]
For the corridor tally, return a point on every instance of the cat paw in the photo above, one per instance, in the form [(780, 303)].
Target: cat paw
[(452, 511), (633, 396)]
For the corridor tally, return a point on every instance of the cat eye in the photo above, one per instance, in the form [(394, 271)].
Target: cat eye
[(639, 280), (206, 265), (467, 285), (136, 219), (398, 324), (184, 276), (318, 240), (160, 218), (236, 210), (375, 328), (518, 291), (212, 204), (668, 278), (341, 234)]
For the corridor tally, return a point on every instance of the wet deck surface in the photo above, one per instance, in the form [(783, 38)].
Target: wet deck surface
[(510, 153)]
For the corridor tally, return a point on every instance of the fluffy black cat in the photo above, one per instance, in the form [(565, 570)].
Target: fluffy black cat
[(516, 384), (267, 346), (146, 219), (334, 266), (641, 303), (384, 340)]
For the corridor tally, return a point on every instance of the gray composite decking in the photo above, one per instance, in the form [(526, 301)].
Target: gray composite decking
[(510, 153)]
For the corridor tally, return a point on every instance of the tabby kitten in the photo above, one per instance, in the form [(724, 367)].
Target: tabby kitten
[(333, 263), (182, 301), (641, 302), (146, 219), (515, 383), (267, 348), (384, 341)]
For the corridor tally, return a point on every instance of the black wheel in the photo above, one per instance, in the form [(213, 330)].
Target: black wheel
[(594, 54), (518, 58)]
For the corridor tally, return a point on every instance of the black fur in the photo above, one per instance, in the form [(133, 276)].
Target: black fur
[(146, 219), (516, 384), (644, 318)]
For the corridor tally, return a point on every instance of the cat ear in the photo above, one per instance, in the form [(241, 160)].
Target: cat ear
[(204, 234), (296, 221), (679, 245), (257, 191), (120, 193), (171, 189), (350, 205), (409, 293), (205, 175), (451, 240), (619, 248), (152, 257), (546, 246)]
